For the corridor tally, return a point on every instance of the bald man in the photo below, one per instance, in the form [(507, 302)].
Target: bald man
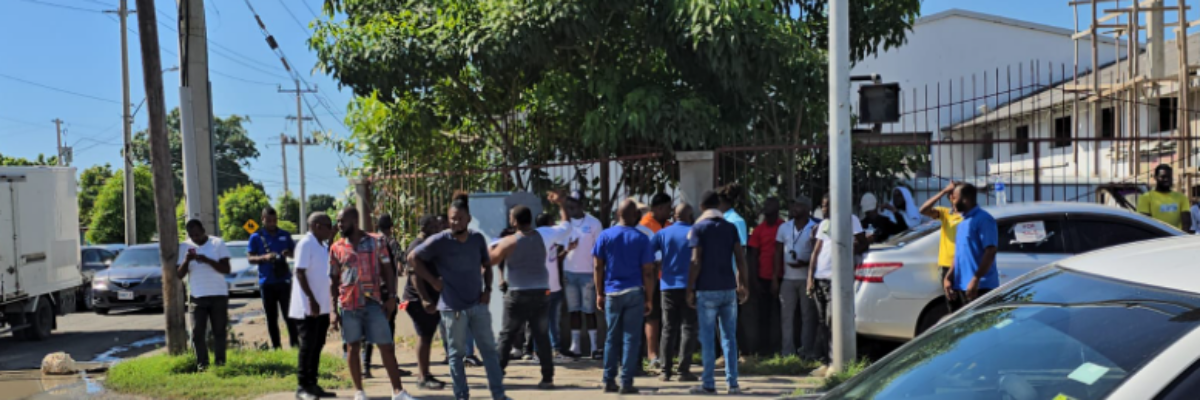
[(678, 318), (624, 276)]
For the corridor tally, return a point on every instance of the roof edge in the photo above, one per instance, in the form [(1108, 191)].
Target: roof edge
[(958, 12)]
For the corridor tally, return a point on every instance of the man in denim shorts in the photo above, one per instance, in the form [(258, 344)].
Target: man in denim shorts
[(578, 269), (363, 274)]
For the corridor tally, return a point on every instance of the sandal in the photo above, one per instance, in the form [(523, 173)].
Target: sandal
[(431, 383)]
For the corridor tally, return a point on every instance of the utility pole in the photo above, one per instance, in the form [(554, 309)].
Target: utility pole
[(300, 139), (195, 104), (58, 129), (286, 140), (130, 205), (164, 196), (283, 141), (839, 183)]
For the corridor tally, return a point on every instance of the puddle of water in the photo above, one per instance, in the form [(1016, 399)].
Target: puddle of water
[(110, 355), (32, 385)]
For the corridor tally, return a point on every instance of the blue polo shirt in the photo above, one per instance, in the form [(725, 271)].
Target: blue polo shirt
[(261, 243), (976, 232), (716, 239), (672, 241), (624, 250)]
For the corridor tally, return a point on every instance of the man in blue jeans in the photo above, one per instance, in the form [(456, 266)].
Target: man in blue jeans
[(267, 248), (715, 291), (625, 282), (461, 257)]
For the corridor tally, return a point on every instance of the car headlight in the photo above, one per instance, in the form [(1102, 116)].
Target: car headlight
[(99, 283)]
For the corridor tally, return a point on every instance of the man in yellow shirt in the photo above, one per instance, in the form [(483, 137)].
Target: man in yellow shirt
[(1163, 204), (949, 219)]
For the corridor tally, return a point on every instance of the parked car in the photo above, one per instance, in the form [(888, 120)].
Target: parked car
[(243, 276), (133, 281), (898, 291), (1113, 324), (92, 260)]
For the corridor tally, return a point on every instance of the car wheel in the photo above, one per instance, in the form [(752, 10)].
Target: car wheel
[(41, 322), (100, 311), (84, 302), (932, 315)]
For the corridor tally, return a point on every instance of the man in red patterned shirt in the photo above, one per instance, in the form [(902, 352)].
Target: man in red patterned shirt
[(363, 275)]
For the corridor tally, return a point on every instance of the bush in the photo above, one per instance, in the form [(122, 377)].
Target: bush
[(237, 206), (108, 211), (851, 370), (247, 374)]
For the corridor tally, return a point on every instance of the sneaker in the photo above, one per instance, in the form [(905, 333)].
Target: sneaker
[(611, 387), (688, 377), (431, 383), (664, 377), (529, 357), (546, 385), (404, 373), (597, 355), (568, 354), (819, 372), (321, 393), (735, 390), (302, 394), (472, 361), (516, 355), (655, 365), (403, 395), (629, 390), (561, 357), (701, 390), (361, 396), (366, 373)]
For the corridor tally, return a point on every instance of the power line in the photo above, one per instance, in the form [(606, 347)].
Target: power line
[(310, 10), (59, 90), (240, 79), (297, 20), (66, 7)]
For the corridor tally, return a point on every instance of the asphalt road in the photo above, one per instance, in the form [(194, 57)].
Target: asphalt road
[(85, 335)]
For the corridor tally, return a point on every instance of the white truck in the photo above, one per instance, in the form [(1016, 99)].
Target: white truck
[(39, 249)]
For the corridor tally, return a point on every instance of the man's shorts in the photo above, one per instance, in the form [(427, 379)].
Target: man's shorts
[(424, 323), (366, 323), (581, 293)]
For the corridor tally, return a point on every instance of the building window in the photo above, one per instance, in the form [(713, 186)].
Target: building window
[(1022, 144), (1108, 123), (1168, 114), (987, 152), (1062, 132)]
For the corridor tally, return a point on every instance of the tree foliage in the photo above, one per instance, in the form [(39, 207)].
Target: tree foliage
[(239, 205), (321, 202), (91, 180), (233, 151), (288, 208), (107, 219), (23, 162)]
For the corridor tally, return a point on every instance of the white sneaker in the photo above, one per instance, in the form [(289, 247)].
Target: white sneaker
[(820, 372), (403, 395), (361, 396)]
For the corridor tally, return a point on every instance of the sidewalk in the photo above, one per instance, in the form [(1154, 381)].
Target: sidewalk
[(575, 380)]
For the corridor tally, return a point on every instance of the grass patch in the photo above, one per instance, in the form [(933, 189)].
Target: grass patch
[(851, 370), (777, 365), (246, 374)]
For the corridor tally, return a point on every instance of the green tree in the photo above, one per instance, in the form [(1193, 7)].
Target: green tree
[(320, 202), (289, 227), (90, 183), (108, 213), (233, 151), (288, 208), (22, 162), (239, 205)]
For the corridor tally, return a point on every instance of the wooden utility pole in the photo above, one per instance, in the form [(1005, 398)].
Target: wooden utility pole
[(58, 129), (164, 195), (283, 141), (130, 205), (300, 118)]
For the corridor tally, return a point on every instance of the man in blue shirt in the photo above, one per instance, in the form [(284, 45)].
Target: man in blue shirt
[(672, 242), (715, 289), (624, 277), (268, 249), (975, 244)]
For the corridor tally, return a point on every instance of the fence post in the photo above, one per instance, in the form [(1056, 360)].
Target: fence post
[(362, 200), (695, 174), (1037, 173)]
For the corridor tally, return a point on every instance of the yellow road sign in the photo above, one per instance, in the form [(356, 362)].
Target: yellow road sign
[(250, 226)]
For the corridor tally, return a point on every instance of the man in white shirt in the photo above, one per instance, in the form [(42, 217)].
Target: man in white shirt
[(578, 268), (205, 264), (819, 279), (795, 240), (310, 302)]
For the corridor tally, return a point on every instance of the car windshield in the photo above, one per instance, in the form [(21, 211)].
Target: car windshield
[(238, 251), (1054, 332), (132, 258), (912, 234)]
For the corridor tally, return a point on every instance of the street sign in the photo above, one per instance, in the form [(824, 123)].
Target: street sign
[(879, 104), (250, 226)]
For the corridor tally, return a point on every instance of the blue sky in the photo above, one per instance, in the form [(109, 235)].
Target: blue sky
[(77, 48)]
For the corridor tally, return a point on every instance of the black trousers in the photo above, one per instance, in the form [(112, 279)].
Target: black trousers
[(679, 331), (767, 338), (211, 311), (822, 295), (312, 340), (523, 307), (275, 299)]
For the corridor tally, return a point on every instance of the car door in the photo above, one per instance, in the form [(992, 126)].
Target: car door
[(1028, 242), (1094, 232)]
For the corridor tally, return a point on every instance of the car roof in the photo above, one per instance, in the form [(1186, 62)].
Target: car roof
[(1168, 263), (1052, 207)]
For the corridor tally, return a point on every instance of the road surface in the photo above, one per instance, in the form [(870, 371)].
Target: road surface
[(85, 335)]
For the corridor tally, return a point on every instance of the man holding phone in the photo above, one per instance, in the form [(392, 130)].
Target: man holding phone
[(205, 264), (269, 249)]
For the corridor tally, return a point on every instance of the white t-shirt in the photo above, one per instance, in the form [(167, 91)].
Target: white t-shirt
[(203, 279), (825, 259), (796, 244), (312, 259), (553, 236), (586, 231)]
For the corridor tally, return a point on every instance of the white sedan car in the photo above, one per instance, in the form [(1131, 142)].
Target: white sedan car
[(898, 291), (1116, 324), (243, 276)]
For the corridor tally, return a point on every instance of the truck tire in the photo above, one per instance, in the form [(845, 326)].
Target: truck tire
[(41, 321)]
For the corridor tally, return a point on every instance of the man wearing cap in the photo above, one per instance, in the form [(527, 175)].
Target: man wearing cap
[(793, 250), (578, 268)]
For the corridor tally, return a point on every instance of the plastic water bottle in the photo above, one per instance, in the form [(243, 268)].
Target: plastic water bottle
[(1001, 195)]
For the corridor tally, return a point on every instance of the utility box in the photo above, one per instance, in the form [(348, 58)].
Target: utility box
[(879, 103)]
